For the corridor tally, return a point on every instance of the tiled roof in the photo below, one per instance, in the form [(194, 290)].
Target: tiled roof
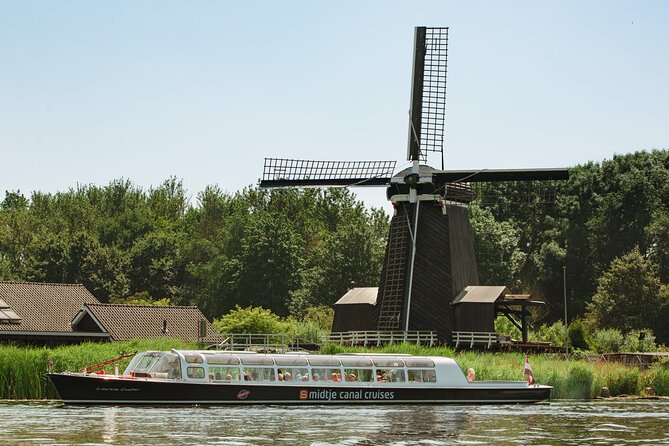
[(126, 322), (44, 307)]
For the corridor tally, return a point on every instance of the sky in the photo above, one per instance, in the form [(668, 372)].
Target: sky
[(93, 91)]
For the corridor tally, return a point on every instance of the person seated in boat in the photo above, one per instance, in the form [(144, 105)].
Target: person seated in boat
[(211, 377), (228, 377), (335, 377), (218, 376), (298, 377), (351, 377), (305, 377), (287, 376), (471, 375), (279, 376), (316, 377), (379, 376)]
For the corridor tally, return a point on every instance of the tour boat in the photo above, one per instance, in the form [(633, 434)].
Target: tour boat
[(221, 377)]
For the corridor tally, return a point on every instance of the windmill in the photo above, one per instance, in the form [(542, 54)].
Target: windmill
[(429, 257)]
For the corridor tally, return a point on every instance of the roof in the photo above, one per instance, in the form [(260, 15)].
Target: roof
[(361, 295), (43, 307), (125, 322), (481, 294)]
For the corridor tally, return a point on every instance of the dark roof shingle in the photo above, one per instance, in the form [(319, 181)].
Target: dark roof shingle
[(125, 322), (44, 307)]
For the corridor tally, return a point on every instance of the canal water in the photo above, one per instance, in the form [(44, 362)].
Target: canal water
[(564, 422)]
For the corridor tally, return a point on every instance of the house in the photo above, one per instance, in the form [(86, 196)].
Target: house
[(125, 322), (356, 310), (56, 314), (40, 313)]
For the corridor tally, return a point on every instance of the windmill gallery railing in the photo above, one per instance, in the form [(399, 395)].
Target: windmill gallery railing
[(377, 338)]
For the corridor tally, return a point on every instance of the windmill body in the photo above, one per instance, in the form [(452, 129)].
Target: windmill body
[(429, 256)]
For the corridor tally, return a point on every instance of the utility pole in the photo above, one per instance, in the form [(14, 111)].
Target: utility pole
[(566, 324)]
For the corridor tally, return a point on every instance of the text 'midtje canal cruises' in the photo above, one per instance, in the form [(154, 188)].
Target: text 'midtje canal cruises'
[(221, 377)]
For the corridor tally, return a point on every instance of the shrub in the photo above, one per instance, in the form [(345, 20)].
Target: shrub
[(253, 320), (623, 381), (660, 380), (607, 340), (639, 341), (576, 333), (555, 334)]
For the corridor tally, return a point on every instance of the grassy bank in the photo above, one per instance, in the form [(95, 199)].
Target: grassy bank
[(22, 369), (570, 379)]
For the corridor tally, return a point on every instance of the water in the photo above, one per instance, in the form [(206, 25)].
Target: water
[(604, 423)]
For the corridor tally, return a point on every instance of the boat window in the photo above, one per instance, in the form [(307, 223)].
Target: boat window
[(290, 360), (167, 366), (195, 372), (324, 360), (318, 374), (193, 358), (388, 362), (223, 360), (259, 374), (422, 376), (293, 374), (133, 364), (146, 362), (356, 362), (419, 362), (390, 375), (360, 375), (223, 373), (257, 360), (333, 375)]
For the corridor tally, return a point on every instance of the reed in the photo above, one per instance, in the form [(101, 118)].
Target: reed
[(22, 369)]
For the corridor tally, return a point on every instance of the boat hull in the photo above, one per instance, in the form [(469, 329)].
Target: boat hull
[(109, 390)]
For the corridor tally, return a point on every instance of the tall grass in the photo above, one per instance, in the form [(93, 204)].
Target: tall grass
[(22, 369)]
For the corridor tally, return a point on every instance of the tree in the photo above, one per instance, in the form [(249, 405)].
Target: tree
[(252, 320), (627, 296)]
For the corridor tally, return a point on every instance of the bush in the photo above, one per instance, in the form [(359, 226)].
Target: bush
[(576, 333), (503, 326), (253, 320), (555, 334), (607, 340), (579, 382), (639, 341), (660, 379)]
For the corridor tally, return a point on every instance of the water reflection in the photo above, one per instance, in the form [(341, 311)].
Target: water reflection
[(555, 423)]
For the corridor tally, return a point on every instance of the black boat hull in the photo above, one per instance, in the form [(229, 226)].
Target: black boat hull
[(91, 390)]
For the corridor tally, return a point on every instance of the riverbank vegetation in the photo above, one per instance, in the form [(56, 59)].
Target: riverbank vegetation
[(22, 369)]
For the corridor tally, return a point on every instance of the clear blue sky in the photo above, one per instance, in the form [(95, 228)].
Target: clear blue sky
[(92, 91)]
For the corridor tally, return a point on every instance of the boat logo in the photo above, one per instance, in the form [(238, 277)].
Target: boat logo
[(243, 394), (304, 394)]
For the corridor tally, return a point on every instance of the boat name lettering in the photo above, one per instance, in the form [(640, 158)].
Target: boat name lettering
[(331, 395), (117, 389)]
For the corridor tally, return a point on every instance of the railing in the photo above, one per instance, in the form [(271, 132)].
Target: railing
[(472, 338), (279, 343), (376, 338)]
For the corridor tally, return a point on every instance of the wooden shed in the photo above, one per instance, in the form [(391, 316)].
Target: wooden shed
[(476, 307), (355, 311)]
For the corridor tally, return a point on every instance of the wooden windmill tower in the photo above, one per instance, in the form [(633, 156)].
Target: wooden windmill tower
[(429, 257)]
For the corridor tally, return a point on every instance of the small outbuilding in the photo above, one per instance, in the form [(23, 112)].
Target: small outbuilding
[(355, 311), (476, 307)]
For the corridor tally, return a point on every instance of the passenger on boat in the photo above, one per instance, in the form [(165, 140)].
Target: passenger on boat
[(228, 377), (316, 377), (287, 376), (218, 376), (351, 377), (471, 375), (305, 377), (335, 377), (280, 376)]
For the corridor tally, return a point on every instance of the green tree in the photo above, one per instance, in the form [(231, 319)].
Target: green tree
[(252, 320), (627, 294)]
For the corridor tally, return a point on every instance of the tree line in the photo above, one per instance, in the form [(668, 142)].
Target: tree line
[(607, 228)]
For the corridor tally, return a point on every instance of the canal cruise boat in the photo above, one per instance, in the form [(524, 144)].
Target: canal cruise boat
[(220, 377)]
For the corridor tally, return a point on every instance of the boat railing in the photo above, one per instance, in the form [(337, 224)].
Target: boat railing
[(472, 338), (264, 342), (377, 338)]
